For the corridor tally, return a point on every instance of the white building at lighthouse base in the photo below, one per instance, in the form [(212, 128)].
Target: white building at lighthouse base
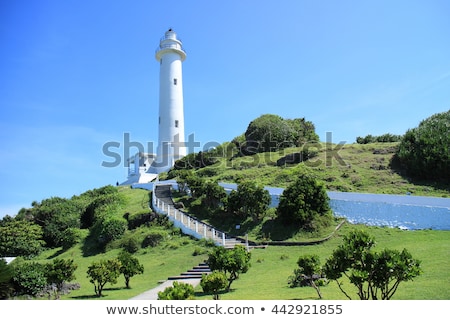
[(140, 169)]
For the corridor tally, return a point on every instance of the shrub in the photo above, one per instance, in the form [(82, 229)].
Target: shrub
[(271, 133), (130, 266), (303, 202), (424, 151), (213, 283), (137, 220), (154, 238), (131, 245), (111, 229), (6, 276), (70, 237), (29, 278), (20, 238), (178, 291), (102, 272)]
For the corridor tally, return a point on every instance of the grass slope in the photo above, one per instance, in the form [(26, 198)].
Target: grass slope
[(351, 167), (271, 267), (171, 257)]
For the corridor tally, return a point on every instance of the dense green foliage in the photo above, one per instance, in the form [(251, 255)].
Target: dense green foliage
[(213, 283), (61, 218), (20, 238), (196, 160), (232, 262), (424, 151), (60, 271), (269, 133), (178, 291), (375, 275), (6, 276), (249, 200), (29, 278), (103, 271), (55, 215), (206, 197), (305, 203), (387, 137), (129, 266), (308, 272)]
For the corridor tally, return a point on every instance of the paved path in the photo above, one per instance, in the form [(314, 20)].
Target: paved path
[(152, 294)]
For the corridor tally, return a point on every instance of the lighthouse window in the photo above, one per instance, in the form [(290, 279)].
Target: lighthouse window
[(176, 123), (175, 81)]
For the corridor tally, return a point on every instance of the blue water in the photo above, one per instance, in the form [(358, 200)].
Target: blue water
[(400, 211)]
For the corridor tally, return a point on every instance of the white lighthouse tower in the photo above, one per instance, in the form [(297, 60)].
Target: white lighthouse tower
[(145, 167), (171, 145)]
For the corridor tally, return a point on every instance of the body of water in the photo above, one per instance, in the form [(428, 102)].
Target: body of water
[(399, 211)]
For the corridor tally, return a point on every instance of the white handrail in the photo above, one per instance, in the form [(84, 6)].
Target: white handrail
[(184, 222)]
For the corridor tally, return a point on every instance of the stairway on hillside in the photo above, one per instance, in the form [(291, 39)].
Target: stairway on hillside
[(195, 273), (164, 193), (230, 243)]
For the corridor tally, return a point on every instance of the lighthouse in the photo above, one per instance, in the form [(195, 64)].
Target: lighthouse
[(171, 146), (144, 167)]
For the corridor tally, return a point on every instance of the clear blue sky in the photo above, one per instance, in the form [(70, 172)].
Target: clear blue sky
[(75, 75)]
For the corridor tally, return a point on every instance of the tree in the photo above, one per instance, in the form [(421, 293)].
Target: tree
[(29, 278), (213, 283), (305, 202), (60, 271), (213, 196), (55, 215), (102, 272), (178, 291), (424, 151), (376, 275), (130, 266), (110, 229), (304, 131), (232, 262), (20, 238), (268, 133), (6, 276), (249, 200), (309, 272)]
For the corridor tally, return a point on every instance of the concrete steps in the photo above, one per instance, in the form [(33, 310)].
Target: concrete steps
[(195, 273), (232, 242)]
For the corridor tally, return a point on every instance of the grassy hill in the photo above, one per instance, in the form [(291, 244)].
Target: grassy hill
[(175, 254), (367, 168), (352, 167), (267, 277)]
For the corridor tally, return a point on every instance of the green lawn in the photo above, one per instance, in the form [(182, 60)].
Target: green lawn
[(169, 259), (271, 267)]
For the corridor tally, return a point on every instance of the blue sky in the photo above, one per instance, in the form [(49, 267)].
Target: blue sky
[(75, 75)]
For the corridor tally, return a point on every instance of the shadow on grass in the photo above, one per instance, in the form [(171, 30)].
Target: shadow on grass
[(94, 296), (203, 294), (91, 246), (57, 253), (438, 183)]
